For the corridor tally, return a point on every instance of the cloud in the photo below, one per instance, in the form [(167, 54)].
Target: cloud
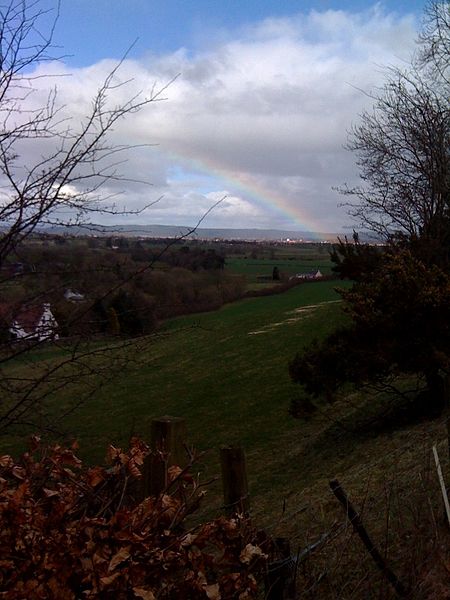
[(271, 102)]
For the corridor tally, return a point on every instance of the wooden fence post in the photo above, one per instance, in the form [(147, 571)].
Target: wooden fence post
[(167, 442), (234, 480)]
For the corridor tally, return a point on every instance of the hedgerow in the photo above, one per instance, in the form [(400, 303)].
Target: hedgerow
[(73, 532)]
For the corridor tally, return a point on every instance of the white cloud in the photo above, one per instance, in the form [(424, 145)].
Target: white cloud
[(273, 102)]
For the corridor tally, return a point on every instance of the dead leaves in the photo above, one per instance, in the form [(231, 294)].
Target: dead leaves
[(251, 552), (144, 594), (119, 558), (95, 476), (213, 591), (69, 532), (6, 461)]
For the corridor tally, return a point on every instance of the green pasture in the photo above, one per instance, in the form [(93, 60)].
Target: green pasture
[(288, 264), (226, 372)]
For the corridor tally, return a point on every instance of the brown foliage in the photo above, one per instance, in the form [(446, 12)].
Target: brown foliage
[(71, 532)]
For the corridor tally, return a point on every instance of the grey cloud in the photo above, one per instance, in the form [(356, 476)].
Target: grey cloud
[(273, 101)]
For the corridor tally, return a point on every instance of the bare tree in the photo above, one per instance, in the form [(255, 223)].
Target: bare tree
[(402, 154), (63, 186), (435, 39), (81, 159), (402, 146)]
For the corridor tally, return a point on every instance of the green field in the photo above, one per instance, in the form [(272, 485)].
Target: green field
[(224, 371), (288, 260)]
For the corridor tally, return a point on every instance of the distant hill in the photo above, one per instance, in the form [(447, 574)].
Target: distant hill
[(172, 231)]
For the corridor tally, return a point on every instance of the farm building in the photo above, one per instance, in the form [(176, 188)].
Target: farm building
[(316, 274), (34, 322)]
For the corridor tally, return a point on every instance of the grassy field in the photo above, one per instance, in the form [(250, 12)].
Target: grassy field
[(226, 373), (288, 260)]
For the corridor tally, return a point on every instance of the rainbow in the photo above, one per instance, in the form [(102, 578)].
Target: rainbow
[(250, 187)]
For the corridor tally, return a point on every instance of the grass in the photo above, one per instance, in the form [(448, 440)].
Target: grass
[(230, 382), (254, 268), (226, 373), (288, 260)]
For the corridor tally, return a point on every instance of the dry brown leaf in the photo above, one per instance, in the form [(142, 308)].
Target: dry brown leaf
[(109, 578), (98, 559), (134, 469), (119, 558), (35, 441), (6, 461), (19, 472), (143, 593), (69, 458), (213, 591), (188, 539), (173, 472), (249, 552), (112, 453), (95, 476)]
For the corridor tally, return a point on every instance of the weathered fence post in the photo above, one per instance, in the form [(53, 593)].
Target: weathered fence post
[(234, 480), (167, 442)]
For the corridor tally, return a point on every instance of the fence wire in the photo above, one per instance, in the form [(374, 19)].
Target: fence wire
[(399, 501)]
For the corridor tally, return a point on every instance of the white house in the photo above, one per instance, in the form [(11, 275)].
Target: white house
[(309, 276), (34, 322)]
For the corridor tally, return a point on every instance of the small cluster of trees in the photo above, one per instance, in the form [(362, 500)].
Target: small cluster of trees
[(195, 259), (399, 305), (121, 294)]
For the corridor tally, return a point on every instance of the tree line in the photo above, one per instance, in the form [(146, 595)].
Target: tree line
[(127, 291)]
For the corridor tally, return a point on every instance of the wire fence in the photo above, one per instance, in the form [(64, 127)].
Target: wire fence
[(380, 531), (399, 503)]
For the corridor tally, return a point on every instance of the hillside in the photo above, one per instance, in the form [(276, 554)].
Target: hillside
[(225, 372)]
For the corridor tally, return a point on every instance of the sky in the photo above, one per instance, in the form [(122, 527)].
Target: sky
[(260, 97)]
